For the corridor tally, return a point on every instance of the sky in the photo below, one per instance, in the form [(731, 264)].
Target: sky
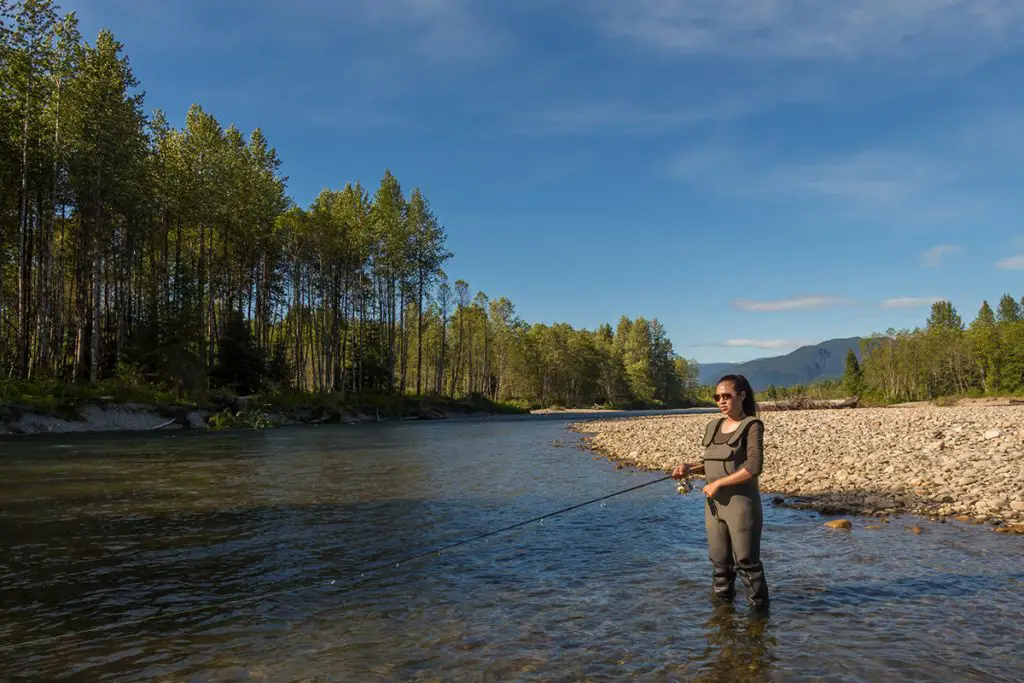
[(755, 174)]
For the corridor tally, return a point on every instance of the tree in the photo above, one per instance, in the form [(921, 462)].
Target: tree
[(1009, 311), (986, 347), (853, 378), (944, 316), (429, 253), (240, 366), (29, 59)]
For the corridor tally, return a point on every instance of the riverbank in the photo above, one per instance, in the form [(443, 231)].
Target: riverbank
[(964, 461), (232, 413)]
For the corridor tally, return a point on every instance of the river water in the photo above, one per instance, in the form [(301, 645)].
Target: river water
[(272, 556)]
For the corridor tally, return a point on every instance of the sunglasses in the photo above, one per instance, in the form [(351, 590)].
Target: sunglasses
[(723, 397)]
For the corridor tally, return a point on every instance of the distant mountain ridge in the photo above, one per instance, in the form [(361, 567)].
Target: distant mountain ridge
[(807, 364)]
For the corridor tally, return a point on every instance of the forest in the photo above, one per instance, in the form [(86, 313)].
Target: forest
[(137, 254)]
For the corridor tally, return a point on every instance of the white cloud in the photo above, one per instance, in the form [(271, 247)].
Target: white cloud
[(911, 301), (935, 257), (1011, 263), (767, 343), (876, 178), (937, 179), (796, 303), (836, 30)]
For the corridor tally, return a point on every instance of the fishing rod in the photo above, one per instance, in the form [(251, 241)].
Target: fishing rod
[(362, 567)]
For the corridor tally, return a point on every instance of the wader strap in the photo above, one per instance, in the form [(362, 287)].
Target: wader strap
[(741, 430), (710, 431)]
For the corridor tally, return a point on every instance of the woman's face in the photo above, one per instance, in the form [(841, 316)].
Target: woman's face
[(728, 399)]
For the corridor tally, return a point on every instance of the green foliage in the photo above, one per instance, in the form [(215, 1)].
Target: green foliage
[(240, 364), (853, 377), (247, 419), (944, 359), (1009, 310)]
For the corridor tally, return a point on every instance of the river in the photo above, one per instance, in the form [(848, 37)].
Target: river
[(271, 555)]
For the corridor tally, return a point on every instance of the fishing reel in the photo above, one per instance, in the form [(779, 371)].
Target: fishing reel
[(683, 487)]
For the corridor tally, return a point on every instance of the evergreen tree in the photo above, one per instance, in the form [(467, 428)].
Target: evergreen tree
[(240, 365), (853, 378), (986, 347), (1009, 310)]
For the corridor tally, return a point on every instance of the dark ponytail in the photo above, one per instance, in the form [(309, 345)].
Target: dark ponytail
[(740, 383)]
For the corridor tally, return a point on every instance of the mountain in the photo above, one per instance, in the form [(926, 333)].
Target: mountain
[(807, 364)]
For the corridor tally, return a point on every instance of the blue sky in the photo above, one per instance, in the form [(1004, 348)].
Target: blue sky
[(757, 174)]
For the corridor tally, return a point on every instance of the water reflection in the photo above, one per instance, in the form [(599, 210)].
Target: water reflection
[(738, 646)]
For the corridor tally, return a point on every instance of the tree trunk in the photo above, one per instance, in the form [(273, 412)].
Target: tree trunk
[(24, 256), (419, 336)]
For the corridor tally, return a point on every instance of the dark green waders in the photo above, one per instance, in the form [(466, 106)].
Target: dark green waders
[(733, 518)]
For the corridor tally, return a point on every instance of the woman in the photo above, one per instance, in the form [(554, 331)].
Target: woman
[(733, 453)]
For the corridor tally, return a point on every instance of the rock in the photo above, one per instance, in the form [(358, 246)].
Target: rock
[(916, 529), (839, 524), (873, 526), (1017, 506), (991, 434)]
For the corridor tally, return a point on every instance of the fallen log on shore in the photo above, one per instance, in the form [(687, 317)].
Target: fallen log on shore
[(805, 403)]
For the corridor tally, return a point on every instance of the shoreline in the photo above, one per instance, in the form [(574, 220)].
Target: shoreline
[(132, 417), (124, 418), (963, 461)]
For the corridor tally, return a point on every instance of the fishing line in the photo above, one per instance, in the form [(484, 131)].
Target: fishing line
[(362, 567)]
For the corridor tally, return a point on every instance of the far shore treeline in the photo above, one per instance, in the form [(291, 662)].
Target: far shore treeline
[(135, 253), (945, 358)]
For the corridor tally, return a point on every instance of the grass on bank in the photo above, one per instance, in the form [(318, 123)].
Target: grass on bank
[(65, 400)]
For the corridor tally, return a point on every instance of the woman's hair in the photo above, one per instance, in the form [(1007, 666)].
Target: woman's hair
[(740, 383)]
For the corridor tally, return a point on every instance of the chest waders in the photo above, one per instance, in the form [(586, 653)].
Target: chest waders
[(733, 518)]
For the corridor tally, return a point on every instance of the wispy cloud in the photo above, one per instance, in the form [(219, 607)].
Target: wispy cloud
[(936, 256), (942, 177), (766, 343), (1011, 263), (436, 30), (796, 303), (911, 301), (876, 179), (814, 30)]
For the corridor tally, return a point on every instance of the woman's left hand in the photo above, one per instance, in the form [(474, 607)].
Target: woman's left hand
[(711, 489)]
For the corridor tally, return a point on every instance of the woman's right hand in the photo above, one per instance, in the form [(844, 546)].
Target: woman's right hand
[(681, 471)]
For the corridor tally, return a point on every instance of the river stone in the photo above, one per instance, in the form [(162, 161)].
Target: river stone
[(839, 524), (1017, 506), (992, 434)]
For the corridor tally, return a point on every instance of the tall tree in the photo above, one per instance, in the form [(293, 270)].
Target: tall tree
[(1009, 310), (853, 377), (429, 254), (30, 62)]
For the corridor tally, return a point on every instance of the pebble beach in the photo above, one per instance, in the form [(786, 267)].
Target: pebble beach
[(964, 462)]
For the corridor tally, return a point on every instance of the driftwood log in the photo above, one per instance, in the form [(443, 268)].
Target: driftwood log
[(805, 403)]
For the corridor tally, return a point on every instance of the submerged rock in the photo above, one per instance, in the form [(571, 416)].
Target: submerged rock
[(839, 524)]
